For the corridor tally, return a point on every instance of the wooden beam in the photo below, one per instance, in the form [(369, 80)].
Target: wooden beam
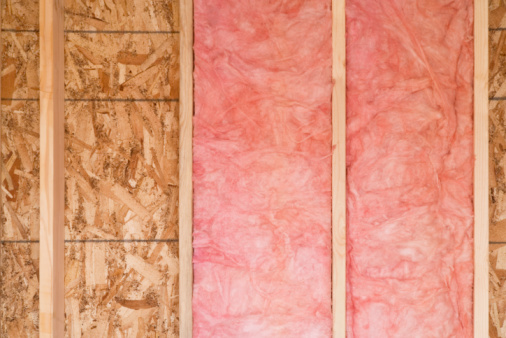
[(481, 189), (51, 169), (186, 170), (339, 169)]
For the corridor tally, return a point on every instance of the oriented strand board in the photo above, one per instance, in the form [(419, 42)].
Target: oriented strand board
[(497, 13), (145, 15), (497, 170), (19, 290), (20, 121), (20, 170), (497, 63), (497, 286), (140, 66), (20, 65), (497, 179), (20, 14), (121, 170), (121, 289)]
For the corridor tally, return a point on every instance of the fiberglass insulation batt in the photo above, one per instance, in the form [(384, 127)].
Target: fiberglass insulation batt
[(410, 168), (262, 168)]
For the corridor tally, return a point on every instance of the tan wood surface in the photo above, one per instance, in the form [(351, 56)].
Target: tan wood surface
[(185, 170), (339, 169), (481, 188), (51, 169)]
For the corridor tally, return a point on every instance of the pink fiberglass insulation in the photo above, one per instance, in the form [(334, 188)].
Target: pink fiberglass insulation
[(410, 168), (262, 168)]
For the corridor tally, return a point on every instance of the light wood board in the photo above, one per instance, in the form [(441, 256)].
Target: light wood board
[(186, 169), (481, 188), (51, 169), (339, 169)]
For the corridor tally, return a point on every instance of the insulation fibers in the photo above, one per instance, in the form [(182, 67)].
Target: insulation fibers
[(262, 168), (410, 168)]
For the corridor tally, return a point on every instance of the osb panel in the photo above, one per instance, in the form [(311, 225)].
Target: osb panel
[(497, 170), (145, 15), (121, 161), (497, 13), (121, 290), (497, 64), (20, 14), (20, 65), (122, 66), (20, 170), (497, 284), (19, 290)]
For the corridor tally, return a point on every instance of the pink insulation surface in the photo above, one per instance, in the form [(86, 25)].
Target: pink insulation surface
[(410, 168), (262, 168)]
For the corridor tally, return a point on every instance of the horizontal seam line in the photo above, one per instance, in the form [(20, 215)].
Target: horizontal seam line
[(97, 100), (121, 240), (18, 241), (118, 32), (18, 99), (74, 31), (12, 30), (122, 100)]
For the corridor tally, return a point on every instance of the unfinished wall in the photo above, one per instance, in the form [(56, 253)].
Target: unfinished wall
[(121, 161), (19, 226)]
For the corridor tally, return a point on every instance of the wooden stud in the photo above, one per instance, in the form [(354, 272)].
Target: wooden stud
[(339, 169), (186, 169), (51, 169), (481, 189)]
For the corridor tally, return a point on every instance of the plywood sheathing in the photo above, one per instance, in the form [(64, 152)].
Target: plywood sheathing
[(497, 290), (115, 65), (19, 290), (20, 65), (121, 290), (121, 163), (20, 171), (497, 172), (121, 168), (19, 262), (20, 14), (122, 15)]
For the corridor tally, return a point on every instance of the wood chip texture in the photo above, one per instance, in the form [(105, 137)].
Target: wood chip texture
[(497, 169), (121, 168), (19, 169)]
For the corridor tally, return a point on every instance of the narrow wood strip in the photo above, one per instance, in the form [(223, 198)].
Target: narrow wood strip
[(339, 169), (51, 169), (481, 168), (185, 170)]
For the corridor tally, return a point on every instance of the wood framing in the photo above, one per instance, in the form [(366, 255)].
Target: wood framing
[(186, 169), (339, 168), (51, 169), (481, 187)]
